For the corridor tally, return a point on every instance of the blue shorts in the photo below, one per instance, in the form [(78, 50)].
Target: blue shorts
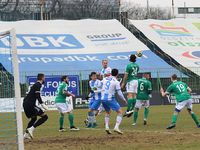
[(94, 104), (112, 104)]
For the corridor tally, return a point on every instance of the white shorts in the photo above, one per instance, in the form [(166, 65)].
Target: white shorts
[(140, 103), (63, 107), (131, 87), (187, 104)]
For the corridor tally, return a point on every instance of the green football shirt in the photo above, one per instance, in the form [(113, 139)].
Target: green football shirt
[(60, 95), (132, 70), (144, 88), (179, 90)]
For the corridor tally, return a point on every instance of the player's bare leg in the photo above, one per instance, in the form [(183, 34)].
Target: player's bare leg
[(107, 119), (118, 122)]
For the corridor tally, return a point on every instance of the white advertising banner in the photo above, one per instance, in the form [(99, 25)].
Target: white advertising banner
[(8, 104), (179, 38), (87, 36)]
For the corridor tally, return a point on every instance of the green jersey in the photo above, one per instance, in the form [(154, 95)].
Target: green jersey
[(60, 93), (132, 70), (179, 90), (144, 89)]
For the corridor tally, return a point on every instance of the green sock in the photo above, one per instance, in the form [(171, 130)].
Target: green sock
[(174, 118), (130, 104), (71, 120), (146, 113), (135, 116), (133, 104), (194, 117), (61, 121)]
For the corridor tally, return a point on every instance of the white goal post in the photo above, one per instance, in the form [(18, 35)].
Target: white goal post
[(17, 91)]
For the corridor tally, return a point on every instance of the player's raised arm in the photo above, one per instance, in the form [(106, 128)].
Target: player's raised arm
[(189, 89)]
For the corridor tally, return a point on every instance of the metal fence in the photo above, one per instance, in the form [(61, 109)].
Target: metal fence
[(163, 73)]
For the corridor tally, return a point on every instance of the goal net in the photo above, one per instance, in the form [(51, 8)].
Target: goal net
[(11, 130)]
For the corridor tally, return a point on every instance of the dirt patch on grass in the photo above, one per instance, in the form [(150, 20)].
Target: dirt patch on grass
[(139, 140)]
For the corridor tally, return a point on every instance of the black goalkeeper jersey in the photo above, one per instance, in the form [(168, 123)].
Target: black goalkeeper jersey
[(34, 94)]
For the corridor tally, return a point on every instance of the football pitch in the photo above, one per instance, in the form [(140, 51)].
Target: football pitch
[(154, 136)]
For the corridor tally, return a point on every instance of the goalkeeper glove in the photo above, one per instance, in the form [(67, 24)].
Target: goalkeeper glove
[(44, 106)]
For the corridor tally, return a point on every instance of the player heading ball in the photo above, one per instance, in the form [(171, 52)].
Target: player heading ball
[(131, 82)]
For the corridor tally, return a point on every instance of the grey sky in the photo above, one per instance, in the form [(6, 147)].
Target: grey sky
[(167, 3)]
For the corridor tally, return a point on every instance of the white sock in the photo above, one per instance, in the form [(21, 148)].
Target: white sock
[(32, 128), (107, 119), (118, 121)]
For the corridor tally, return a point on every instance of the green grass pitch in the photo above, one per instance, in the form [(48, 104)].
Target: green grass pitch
[(154, 136)]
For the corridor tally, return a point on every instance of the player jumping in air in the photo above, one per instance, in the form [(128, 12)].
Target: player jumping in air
[(95, 99), (131, 82), (143, 96), (109, 88), (181, 91), (30, 108), (61, 94)]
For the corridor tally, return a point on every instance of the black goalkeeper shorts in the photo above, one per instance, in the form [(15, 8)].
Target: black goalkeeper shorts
[(32, 110)]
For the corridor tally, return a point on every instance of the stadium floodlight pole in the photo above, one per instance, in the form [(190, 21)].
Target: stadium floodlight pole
[(120, 11), (147, 9), (185, 10), (173, 16), (41, 8), (20, 138)]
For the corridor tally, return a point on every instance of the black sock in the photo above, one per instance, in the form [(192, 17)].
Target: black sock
[(31, 122), (40, 121)]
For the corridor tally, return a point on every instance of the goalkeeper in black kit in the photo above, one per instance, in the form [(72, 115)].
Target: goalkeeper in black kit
[(30, 108)]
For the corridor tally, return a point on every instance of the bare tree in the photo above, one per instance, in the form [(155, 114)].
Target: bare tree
[(138, 12)]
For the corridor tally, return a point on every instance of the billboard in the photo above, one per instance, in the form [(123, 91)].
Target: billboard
[(51, 84), (178, 38), (63, 45)]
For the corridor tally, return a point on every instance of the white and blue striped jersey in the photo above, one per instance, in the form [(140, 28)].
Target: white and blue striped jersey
[(109, 88), (105, 71), (96, 86)]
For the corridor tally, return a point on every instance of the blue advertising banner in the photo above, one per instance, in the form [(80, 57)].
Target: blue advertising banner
[(81, 62), (52, 82)]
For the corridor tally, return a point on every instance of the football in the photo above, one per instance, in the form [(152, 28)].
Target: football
[(139, 54)]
